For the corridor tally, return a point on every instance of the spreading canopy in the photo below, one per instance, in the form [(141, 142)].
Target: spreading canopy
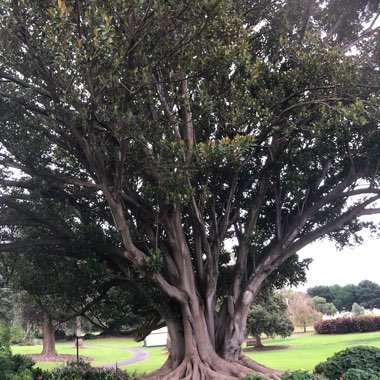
[(162, 129)]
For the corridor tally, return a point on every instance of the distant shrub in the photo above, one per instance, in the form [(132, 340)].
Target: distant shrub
[(359, 374), (60, 334), (299, 375), (358, 357), (89, 336), (347, 325)]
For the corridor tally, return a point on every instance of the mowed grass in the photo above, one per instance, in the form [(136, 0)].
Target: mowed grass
[(307, 350), (101, 355), (158, 356)]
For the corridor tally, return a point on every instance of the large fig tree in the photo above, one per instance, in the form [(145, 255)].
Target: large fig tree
[(166, 128)]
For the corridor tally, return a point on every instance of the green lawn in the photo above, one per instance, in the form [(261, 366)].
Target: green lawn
[(155, 361), (101, 355), (307, 350), (114, 342)]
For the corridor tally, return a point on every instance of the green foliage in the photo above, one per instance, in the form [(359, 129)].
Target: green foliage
[(269, 315), (366, 294), (83, 371), (16, 367), (360, 374), (324, 307), (16, 333), (357, 309), (5, 335), (254, 377), (358, 357), (146, 134), (299, 375)]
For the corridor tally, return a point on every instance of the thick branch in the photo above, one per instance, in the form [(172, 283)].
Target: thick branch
[(306, 19)]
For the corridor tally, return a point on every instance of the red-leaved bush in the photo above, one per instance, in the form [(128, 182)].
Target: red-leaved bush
[(347, 325)]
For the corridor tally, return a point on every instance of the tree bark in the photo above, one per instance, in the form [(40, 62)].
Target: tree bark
[(48, 336), (258, 343), (193, 356), (78, 331)]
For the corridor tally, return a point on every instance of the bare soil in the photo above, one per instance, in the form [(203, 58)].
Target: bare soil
[(265, 348)]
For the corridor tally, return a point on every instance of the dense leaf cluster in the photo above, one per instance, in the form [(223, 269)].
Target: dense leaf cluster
[(16, 367), (360, 374), (365, 358), (269, 315), (299, 375)]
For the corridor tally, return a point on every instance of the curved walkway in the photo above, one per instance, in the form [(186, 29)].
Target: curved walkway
[(138, 355)]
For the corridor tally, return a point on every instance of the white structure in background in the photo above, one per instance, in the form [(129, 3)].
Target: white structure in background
[(157, 338)]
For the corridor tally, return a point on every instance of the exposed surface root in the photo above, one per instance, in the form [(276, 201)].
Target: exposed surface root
[(261, 369), (193, 368)]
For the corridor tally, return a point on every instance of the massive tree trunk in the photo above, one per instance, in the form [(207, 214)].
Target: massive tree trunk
[(205, 343), (48, 336), (192, 354)]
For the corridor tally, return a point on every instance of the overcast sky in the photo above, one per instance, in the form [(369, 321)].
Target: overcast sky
[(349, 266)]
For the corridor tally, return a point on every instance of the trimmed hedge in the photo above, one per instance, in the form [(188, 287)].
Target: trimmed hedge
[(347, 325)]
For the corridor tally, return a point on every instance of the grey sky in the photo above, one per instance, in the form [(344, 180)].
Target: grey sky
[(349, 266)]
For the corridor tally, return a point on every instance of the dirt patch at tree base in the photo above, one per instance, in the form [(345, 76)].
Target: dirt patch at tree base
[(265, 348), (58, 358)]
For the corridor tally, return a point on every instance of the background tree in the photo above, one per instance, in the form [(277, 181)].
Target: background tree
[(325, 308), (345, 297), (5, 317), (368, 294), (324, 291), (357, 309), (269, 315), (302, 310), (163, 129)]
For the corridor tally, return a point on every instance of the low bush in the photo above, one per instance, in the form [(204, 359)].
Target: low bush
[(348, 325), (359, 374), (299, 375), (16, 367), (83, 371), (358, 357), (254, 377)]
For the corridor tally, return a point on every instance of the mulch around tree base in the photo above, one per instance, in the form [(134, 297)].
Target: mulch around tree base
[(265, 348), (58, 358)]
